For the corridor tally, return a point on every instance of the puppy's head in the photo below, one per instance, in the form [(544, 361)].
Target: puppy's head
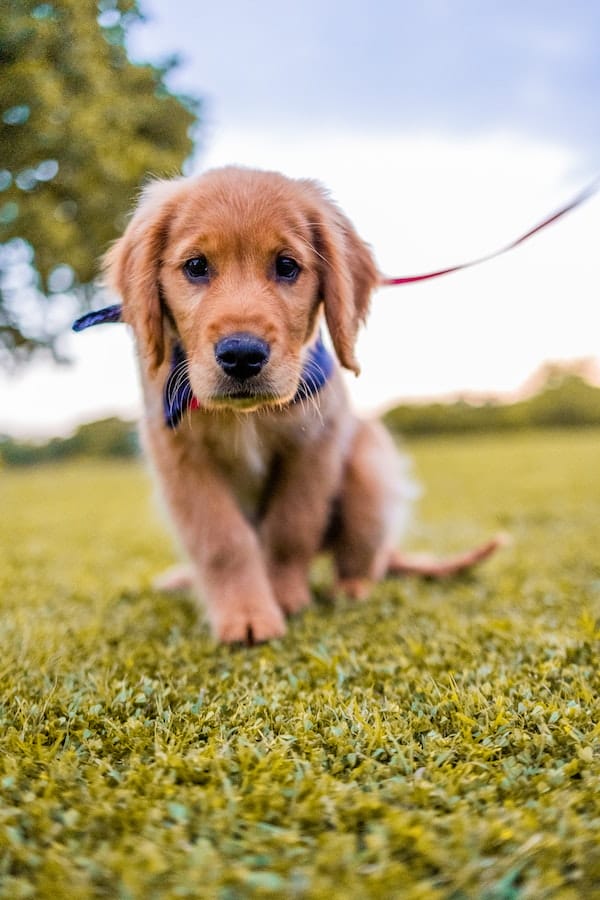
[(237, 265)]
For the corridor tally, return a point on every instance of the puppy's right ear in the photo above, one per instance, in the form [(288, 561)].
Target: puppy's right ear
[(132, 267), (348, 273)]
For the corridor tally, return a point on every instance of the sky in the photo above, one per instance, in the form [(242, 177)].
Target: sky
[(443, 129)]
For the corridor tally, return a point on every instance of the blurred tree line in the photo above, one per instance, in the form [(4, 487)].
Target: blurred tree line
[(80, 127), (565, 400), (103, 439)]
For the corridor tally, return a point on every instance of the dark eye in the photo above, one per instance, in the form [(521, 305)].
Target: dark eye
[(286, 268), (196, 268)]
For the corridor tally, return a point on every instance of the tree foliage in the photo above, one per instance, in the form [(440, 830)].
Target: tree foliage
[(80, 127), (565, 400), (107, 438)]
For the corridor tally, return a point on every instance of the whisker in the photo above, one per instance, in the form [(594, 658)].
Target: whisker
[(179, 393), (312, 396), (312, 247), (174, 379)]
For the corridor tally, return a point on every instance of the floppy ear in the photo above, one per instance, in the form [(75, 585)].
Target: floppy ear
[(348, 275), (132, 267)]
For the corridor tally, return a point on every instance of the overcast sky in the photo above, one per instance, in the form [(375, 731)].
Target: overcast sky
[(460, 68), (444, 129)]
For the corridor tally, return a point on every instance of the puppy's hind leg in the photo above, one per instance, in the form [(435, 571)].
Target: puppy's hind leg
[(373, 510)]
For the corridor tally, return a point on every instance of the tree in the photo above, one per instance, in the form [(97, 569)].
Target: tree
[(80, 127), (107, 438)]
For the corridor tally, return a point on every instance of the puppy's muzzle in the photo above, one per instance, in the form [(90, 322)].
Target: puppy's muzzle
[(241, 355)]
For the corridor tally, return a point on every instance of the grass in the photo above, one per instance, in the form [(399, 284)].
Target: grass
[(441, 740)]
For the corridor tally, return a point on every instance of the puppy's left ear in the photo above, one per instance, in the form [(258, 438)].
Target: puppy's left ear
[(348, 275), (132, 267)]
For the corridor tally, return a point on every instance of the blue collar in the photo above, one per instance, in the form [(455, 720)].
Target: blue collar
[(98, 317), (178, 396)]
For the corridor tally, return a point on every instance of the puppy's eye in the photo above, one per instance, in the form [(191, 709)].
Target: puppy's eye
[(196, 268), (286, 268)]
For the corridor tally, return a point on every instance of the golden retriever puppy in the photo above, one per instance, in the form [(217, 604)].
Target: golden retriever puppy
[(225, 279)]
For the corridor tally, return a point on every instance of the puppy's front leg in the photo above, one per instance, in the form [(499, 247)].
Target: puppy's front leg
[(228, 562), (296, 519)]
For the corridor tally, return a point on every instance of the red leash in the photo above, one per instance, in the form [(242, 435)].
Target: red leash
[(575, 202)]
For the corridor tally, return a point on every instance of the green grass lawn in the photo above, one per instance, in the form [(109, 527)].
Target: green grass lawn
[(440, 740)]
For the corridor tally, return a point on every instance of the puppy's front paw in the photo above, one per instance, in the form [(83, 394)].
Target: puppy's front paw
[(290, 585), (248, 624), (355, 588)]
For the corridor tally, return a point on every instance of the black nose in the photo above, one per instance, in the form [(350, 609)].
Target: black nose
[(241, 355)]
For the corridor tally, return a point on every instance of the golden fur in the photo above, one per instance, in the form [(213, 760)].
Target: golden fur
[(257, 485)]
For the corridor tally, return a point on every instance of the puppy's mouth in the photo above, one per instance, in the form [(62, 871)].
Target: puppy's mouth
[(246, 379), (248, 397)]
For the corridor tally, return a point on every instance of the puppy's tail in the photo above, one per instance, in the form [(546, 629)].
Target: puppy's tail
[(428, 566), (179, 579)]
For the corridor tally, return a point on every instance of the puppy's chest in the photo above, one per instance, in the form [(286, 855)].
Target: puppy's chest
[(246, 456)]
